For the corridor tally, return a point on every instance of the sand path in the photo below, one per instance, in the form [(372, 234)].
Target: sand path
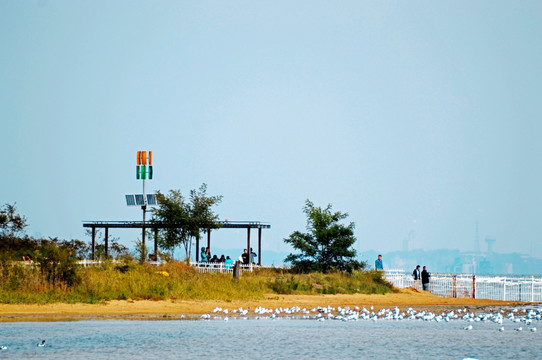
[(192, 308)]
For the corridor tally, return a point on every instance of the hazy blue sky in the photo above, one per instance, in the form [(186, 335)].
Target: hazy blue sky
[(416, 116)]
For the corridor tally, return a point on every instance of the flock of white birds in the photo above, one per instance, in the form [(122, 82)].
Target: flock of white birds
[(517, 317)]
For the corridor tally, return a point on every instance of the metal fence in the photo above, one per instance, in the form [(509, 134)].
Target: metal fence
[(474, 286)]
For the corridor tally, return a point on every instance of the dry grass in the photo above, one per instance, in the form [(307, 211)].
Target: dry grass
[(177, 281)]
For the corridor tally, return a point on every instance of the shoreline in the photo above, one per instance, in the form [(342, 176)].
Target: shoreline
[(192, 309)]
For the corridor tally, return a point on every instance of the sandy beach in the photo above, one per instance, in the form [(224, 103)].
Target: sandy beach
[(172, 309)]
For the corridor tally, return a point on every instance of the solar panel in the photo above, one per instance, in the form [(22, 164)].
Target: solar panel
[(130, 200), (139, 199), (151, 199)]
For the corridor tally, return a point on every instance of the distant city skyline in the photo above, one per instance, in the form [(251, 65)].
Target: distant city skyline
[(414, 118)]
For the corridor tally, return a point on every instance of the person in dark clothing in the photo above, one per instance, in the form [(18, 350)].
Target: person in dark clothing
[(425, 279), (245, 257), (417, 275)]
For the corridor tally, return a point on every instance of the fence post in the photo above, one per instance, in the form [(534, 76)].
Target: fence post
[(236, 269), (454, 286), (504, 289), (532, 288), (473, 286)]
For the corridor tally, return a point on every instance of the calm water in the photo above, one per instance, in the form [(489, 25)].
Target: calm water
[(266, 338)]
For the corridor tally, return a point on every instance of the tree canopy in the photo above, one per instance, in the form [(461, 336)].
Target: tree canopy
[(327, 244), (193, 216), (11, 223)]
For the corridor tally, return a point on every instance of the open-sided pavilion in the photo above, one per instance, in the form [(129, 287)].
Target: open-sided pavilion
[(155, 226)]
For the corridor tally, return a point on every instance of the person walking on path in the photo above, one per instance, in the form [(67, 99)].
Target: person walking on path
[(425, 279), (378, 263)]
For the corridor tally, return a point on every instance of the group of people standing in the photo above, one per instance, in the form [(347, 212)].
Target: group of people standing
[(424, 276), (418, 275), (247, 258)]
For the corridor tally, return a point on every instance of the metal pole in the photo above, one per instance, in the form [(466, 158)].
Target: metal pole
[(260, 246), (209, 240), (144, 208), (93, 243), (473, 286), (106, 242), (197, 249), (248, 244), (156, 243), (532, 288), (143, 250)]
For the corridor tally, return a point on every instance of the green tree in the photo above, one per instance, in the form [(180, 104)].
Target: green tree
[(189, 217), (172, 209), (327, 244), (202, 217), (11, 223)]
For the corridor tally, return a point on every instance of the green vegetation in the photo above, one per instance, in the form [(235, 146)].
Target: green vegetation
[(326, 247), (46, 270), (23, 283), (192, 217)]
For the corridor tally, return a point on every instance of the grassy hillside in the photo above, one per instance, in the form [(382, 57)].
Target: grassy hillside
[(27, 284)]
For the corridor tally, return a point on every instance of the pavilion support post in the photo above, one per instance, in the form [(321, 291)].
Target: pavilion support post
[(197, 248), (259, 246), (156, 243), (93, 243), (248, 244), (106, 242)]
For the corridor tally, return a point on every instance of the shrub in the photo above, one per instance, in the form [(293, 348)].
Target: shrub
[(57, 265)]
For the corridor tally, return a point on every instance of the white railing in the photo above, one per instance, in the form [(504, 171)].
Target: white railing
[(212, 267), (475, 286), (224, 268), (200, 266)]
